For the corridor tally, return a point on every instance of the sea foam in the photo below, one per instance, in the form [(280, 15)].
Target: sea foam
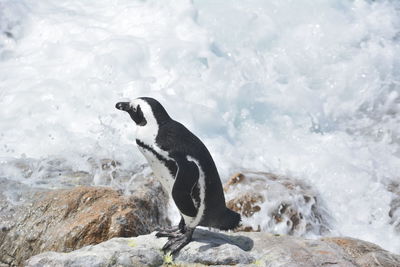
[(304, 89)]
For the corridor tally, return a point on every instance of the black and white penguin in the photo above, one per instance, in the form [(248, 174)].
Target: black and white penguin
[(185, 168)]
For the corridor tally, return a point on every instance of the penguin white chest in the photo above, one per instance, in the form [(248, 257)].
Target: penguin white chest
[(160, 170), (155, 156)]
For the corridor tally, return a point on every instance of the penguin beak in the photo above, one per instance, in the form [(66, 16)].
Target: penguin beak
[(136, 114), (125, 106)]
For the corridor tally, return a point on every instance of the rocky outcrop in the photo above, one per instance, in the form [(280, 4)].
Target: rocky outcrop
[(211, 248), (79, 220), (282, 205), (65, 220)]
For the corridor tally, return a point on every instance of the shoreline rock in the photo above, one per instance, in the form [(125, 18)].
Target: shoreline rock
[(79, 220), (214, 248), (68, 219)]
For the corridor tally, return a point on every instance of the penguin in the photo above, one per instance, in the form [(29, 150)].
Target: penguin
[(185, 168)]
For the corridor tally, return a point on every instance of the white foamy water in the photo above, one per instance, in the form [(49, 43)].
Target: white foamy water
[(308, 89)]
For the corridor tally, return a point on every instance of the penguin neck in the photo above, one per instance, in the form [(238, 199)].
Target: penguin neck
[(155, 116), (148, 133)]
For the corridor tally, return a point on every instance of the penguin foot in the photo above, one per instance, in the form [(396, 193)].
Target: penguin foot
[(172, 232), (169, 232), (176, 243)]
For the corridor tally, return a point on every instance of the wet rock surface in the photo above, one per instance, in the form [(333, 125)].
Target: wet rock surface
[(225, 249), (394, 212), (68, 219), (292, 207)]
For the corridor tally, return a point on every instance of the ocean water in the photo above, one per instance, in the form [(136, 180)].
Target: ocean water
[(301, 88)]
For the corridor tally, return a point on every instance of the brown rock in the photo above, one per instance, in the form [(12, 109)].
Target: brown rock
[(246, 204), (65, 220), (235, 179), (280, 202), (364, 254), (354, 247)]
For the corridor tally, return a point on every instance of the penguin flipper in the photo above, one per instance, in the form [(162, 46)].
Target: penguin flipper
[(185, 179)]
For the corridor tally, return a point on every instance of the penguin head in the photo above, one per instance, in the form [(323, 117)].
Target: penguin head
[(144, 111)]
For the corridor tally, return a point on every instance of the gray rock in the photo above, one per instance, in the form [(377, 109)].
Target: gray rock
[(225, 249), (217, 249), (394, 212), (115, 252)]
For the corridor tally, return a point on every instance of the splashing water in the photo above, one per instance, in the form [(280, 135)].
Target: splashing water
[(301, 88)]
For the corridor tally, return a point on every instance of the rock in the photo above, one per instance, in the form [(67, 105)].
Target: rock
[(212, 248), (365, 254), (394, 212), (12, 194), (282, 205), (65, 220)]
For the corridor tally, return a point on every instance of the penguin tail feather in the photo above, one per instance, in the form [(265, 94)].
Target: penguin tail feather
[(229, 220)]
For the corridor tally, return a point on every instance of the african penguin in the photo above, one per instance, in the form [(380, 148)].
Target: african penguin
[(185, 168)]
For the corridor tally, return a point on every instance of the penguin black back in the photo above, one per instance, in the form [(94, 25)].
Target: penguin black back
[(216, 214)]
